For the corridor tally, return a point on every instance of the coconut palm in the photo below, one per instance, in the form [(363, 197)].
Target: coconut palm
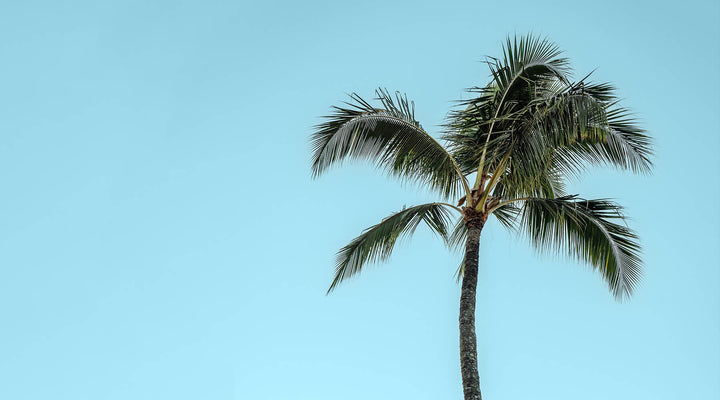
[(506, 153)]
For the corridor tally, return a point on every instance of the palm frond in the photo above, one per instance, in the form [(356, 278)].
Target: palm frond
[(585, 126), (391, 137), (377, 242), (485, 129), (585, 229), (507, 215), (460, 271), (456, 239), (527, 62), (624, 144), (568, 127)]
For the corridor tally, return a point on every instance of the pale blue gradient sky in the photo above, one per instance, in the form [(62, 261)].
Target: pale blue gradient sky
[(161, 238)]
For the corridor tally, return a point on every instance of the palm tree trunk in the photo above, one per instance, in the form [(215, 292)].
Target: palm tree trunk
[(468, 340)]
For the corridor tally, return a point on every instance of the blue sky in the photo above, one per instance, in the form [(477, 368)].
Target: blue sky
[(161, 237)]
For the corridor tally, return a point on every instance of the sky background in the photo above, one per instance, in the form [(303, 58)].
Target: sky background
[(161, 236)]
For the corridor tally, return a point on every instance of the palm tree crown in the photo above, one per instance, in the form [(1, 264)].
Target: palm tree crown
[(507, 152)]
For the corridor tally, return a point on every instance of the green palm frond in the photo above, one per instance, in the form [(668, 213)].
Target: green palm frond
[(624, 145), (526, 61), (585, 229), (487, 127), (531, 118), (528, 164), (568, 113), (530, 173), (585, 126), (564, 129), (377, 242), (391, 137), (460, 271), (456, 239), (627, 145), (507, 215)]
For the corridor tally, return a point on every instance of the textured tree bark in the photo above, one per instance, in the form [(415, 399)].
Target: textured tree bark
[(468, 339)]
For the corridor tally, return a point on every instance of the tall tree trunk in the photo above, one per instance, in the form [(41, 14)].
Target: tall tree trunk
[(468, 339)]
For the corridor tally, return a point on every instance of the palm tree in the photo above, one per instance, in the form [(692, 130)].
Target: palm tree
[(507, 152)]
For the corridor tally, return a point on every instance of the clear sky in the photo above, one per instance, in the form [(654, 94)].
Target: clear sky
[(161, 236)]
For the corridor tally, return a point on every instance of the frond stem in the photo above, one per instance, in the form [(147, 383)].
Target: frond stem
[(481, 168), (506, 202), (493, 181), (451, 206), (497, 112)]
